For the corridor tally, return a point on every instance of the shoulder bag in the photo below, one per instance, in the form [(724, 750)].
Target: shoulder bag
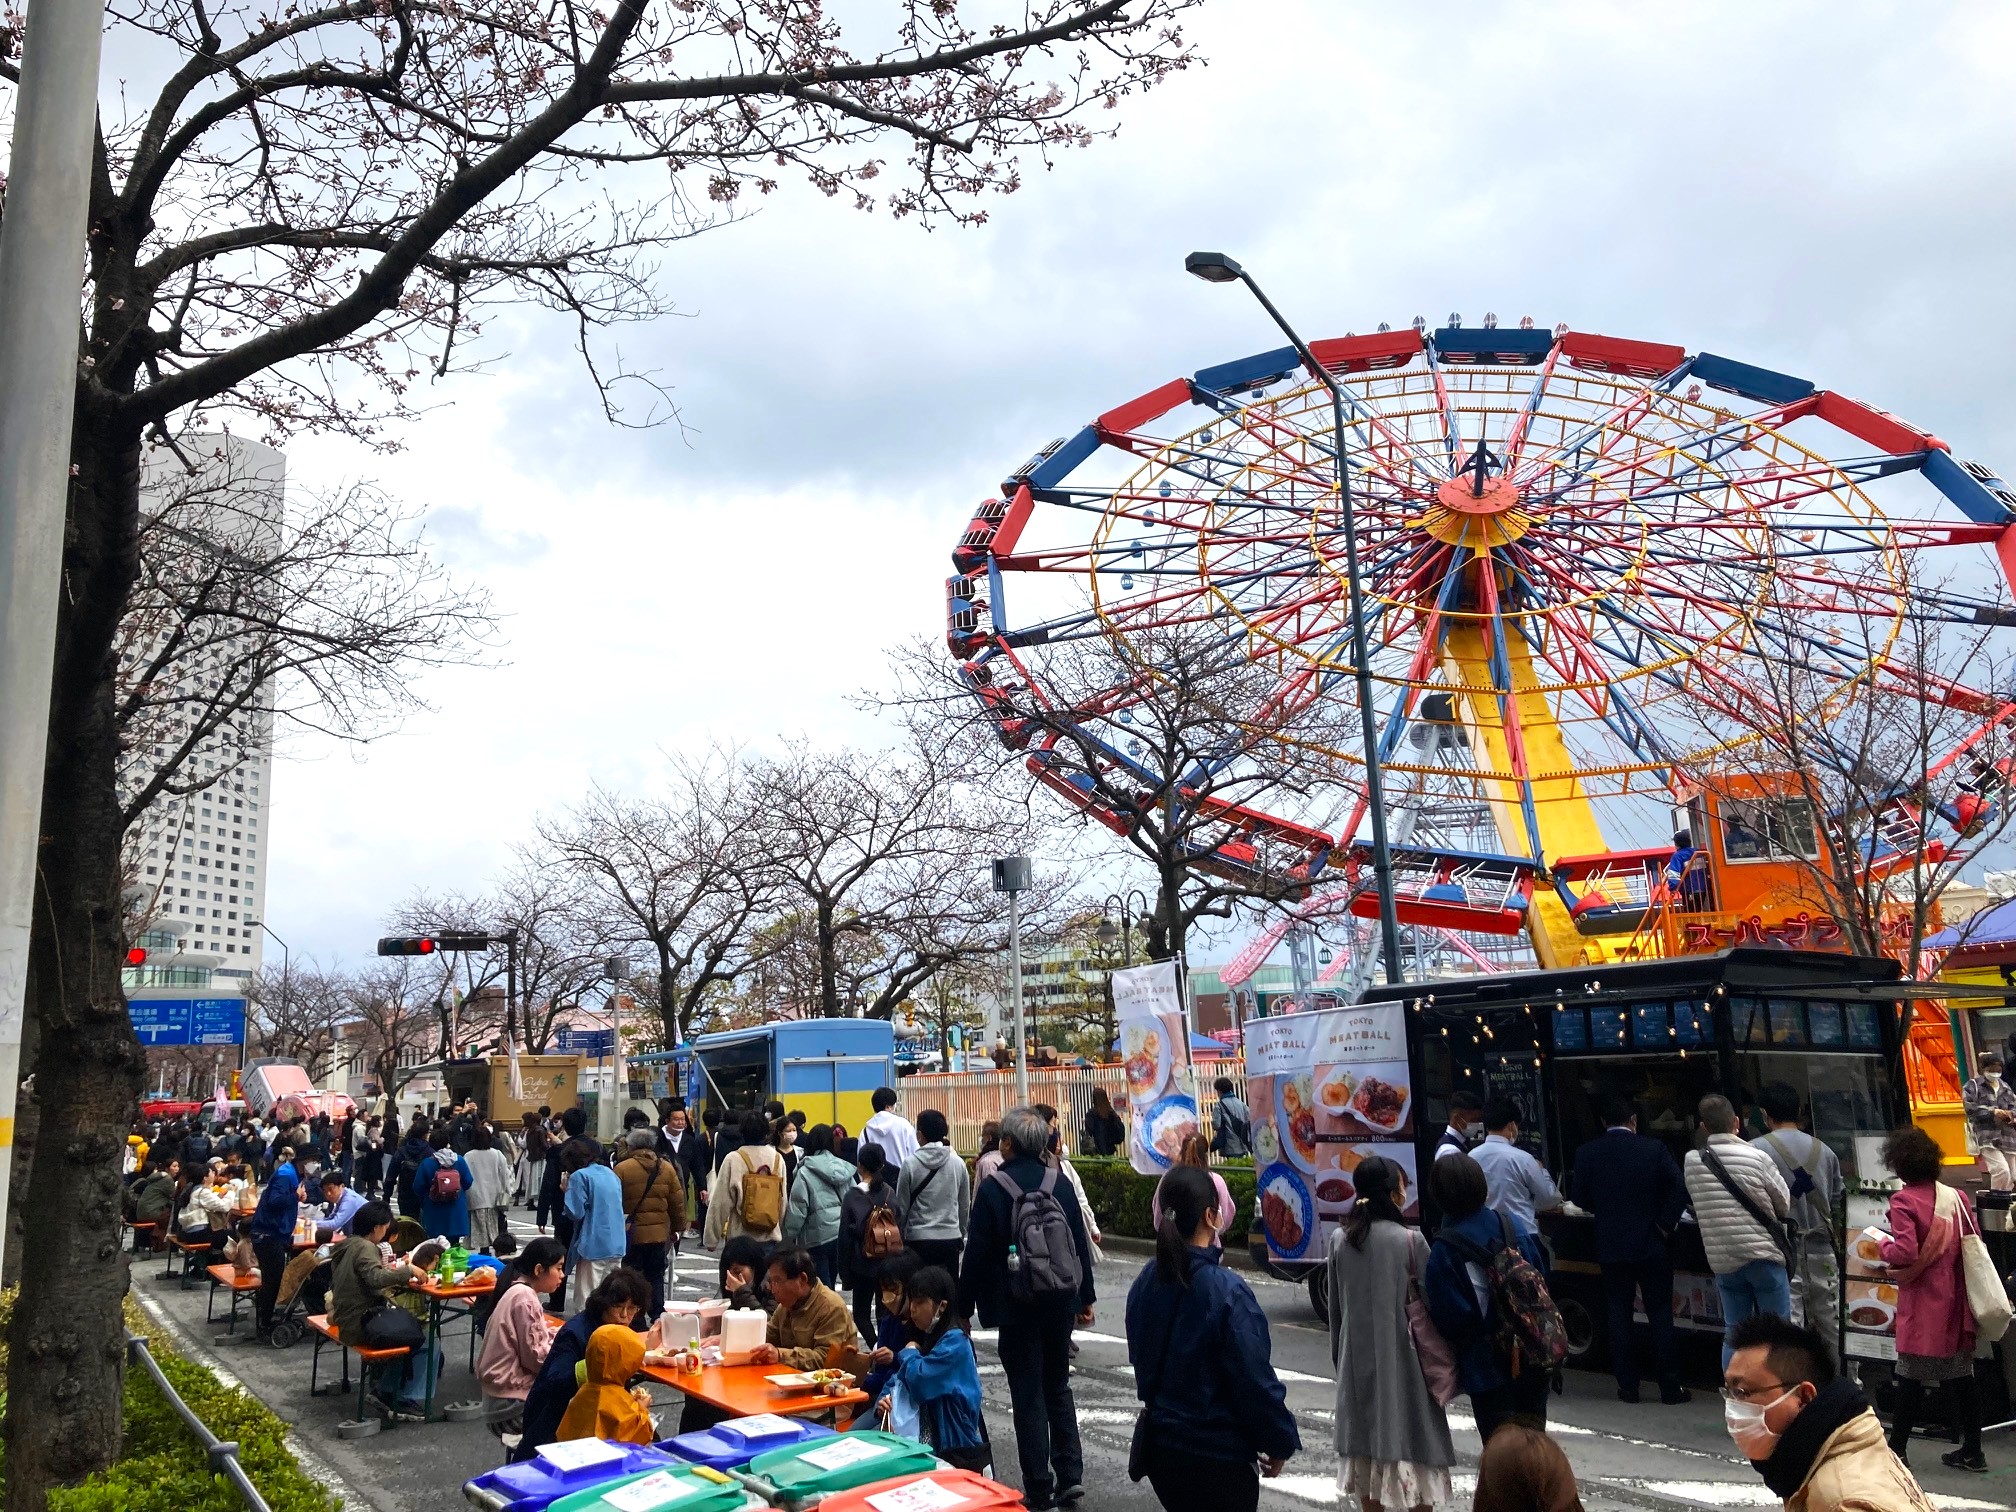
[(1987, 1298), (1143, 1443), (1779, 1233), (1438, 1360)]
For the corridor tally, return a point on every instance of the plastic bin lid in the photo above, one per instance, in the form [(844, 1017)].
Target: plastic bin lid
[(840, 1463), (674, 1488), (942, 1490), (531, 1485), (737, 1441)]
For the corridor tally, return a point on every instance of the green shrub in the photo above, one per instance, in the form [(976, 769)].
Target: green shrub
[(1122, 1196), (161, 1467)]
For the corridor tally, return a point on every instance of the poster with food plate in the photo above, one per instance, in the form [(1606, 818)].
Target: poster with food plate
[(1155, 1055), (1868, 1295), (1328, 1092)]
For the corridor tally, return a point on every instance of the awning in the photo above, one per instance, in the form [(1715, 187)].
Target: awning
[(1994, 925)]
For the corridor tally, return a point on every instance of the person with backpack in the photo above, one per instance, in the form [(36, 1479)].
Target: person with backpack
[(1741, 1203), (442, 1180), (1231, 1123), (871, 1234), (412, 1153), (594, 1204), (748, 1194), (1812, 1175), (933, 1194), (1486, 1291), (812, 1215), (1028, 1272), (1214, 1415)]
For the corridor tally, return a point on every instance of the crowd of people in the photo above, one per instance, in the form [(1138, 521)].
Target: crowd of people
[(927, 1247)]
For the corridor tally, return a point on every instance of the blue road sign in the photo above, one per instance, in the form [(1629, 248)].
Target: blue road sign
[(188, 1021), (596, 1042)]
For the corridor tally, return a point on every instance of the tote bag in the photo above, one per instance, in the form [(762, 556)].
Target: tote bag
[(1438, 1360)]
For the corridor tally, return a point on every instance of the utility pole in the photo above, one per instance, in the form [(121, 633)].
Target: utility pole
[(41, 271)]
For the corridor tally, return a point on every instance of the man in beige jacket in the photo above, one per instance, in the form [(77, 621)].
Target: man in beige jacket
[(1808, 1431)]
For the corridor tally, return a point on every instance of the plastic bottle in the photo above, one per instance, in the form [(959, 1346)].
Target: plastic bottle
[(1014, 1260)]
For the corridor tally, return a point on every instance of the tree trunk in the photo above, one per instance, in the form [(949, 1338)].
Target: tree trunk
[(829, 964), (67, 1340)]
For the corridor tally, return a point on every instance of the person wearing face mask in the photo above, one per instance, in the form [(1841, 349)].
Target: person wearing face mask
[(1809, 1432), (1990, 1103), (937, 1370)]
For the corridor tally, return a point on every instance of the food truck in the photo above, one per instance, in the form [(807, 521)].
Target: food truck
[(1376, 1078), (829, 1068), (544, 1081)]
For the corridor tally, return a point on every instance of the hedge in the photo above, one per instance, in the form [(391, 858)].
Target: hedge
[(161, 1467), (1121, 1196)]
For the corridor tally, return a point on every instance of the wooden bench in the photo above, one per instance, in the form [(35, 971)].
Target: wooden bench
[(225, 1276), (325, 1333), (144, 1237), (185, 1250)]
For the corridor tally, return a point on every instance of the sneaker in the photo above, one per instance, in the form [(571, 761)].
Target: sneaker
[(1960, 1459)]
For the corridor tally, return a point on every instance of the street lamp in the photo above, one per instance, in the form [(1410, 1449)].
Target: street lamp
[(615, 971), (286, 966), (1216, 267), (1011, 876), (1125, 934)]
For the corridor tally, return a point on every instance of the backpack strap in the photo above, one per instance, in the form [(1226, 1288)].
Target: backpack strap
[(1049, 1184), (1015, 1193)]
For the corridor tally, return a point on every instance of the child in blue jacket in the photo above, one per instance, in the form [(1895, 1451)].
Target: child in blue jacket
[(936, 1367)]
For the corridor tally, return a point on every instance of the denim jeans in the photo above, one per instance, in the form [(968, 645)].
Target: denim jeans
[(1758, 1286)]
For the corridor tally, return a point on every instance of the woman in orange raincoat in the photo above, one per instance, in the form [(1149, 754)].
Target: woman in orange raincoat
[(606, 1407)]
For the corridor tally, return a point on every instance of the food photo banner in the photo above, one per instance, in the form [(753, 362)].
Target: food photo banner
[(1328, 1091), (1155, 1052)]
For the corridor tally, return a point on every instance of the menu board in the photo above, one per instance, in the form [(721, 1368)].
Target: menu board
[(1650, 1027), (1571, 1028), (1328, 1091), (1155, 1057), (1868, 1298)]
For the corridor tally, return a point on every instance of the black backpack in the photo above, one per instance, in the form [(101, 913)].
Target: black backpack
[(1047, 1262)]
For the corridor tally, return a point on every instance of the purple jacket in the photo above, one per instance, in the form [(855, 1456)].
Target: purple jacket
[(1932, 1313)]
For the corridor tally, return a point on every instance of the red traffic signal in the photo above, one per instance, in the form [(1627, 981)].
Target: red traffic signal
[(137, 956), (401, 945)]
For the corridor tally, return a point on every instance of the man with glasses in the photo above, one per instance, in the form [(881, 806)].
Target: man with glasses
[(1808, 1431)]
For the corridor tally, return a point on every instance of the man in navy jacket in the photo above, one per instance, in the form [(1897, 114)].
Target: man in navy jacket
[(1035, 1338), (1630, 1183)]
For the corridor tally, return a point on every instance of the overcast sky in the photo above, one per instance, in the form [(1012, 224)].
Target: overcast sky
[(1819, 188)]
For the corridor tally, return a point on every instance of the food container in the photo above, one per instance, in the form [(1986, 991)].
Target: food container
[(712, 1310), (675, 1488), (679, 1326), (743, 1330), (560, 1470), (935, 1491), (731, 1445), (807, 1471)]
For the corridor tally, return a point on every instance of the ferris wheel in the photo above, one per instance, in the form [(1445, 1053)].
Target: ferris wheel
[(1579, 555)]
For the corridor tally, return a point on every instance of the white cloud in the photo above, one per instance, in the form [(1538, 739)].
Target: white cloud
[(1818, 188)]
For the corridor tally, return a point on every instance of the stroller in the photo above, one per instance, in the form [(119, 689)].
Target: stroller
[(290, 1309)]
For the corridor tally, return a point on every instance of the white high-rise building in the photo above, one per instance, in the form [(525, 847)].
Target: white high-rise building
[(198, 861)]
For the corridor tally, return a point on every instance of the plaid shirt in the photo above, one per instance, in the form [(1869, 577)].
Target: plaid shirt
[(1981, 1102)]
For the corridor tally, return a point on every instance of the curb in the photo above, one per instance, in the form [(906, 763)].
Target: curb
[(200, 1351), (1121, 1244)]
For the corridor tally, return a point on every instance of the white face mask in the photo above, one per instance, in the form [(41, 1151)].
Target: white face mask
[(1994, 1078), (1745, 1422)]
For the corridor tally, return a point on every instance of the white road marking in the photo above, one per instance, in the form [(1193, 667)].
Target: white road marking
[(1297, 1375)]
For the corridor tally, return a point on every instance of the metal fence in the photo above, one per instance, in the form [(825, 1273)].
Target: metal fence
[(222, 1454), (969, 1099)]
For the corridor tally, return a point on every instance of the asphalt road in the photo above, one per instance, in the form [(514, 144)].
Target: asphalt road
[(1651, 1456)]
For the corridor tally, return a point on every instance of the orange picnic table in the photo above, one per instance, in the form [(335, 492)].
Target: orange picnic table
[(741, 1391), (440, 1300)]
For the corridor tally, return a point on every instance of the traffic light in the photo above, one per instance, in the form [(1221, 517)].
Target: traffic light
[(401, 945), (137, 956)]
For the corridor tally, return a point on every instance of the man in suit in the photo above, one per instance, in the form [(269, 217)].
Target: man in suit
[(686, 1147), (1630, 1183)]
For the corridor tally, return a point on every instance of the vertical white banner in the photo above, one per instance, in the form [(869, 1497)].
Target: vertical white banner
[(1155, 1054)]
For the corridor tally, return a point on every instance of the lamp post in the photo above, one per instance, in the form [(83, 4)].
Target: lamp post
[(615, 971), (1216, 267), (286, 968), (1125, 936), (1011, 876)]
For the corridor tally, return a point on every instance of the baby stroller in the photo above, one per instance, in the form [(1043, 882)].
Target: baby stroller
[(290, 1311)]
